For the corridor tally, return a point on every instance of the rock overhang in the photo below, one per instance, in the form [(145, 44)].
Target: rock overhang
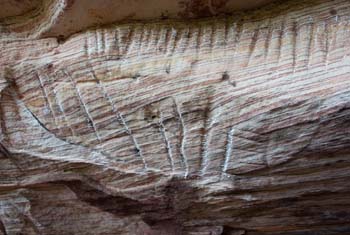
[(46, 18)]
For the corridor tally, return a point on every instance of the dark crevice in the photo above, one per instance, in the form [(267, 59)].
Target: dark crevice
[(117, 205), (233, 231), (160, 213)]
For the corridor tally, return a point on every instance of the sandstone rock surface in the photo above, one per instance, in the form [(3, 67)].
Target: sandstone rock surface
[(229, 125)]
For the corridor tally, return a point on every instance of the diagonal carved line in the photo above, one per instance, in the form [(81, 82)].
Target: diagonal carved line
[(229, 148), (46, 97), (3, 228), (27, 217), (89, 118), (252, 46), (64, 140), (137, 146), (120, 119)]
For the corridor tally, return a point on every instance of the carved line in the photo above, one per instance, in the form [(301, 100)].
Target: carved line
[(294, 44), (207, 127), (120, 118), (328, 38), (27, 217), (89, 118), (47, 100), (59, 104), (310, 44), (280, 41), (18, 101), (252, 46), (137, 146), (268, 41), (182, 138), (229, 148), (167, 142)]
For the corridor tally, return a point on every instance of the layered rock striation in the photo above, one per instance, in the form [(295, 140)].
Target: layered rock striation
[(227, 125)]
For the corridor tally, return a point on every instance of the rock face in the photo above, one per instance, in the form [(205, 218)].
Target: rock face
[(236, 125)]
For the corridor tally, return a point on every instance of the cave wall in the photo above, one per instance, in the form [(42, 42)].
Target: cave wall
[(233, 124)]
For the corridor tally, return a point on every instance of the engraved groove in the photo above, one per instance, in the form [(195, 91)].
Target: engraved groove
[(120, 119), (167, 142), (182, 139), (82, 104)]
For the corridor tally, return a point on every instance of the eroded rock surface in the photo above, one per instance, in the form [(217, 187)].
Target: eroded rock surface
[(233, 125)]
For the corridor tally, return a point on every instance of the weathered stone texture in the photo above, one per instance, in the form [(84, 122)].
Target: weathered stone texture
[(236, 125)]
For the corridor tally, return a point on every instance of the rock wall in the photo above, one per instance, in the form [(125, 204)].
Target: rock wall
[(222, 126)]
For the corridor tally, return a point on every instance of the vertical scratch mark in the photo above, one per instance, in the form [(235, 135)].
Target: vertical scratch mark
[(89, 47), (199, 38), (294, 44), (105, 40), (106, 35), (86, 45), (229, 148), (182, 138), (238, 34), (100, 41), (139, 50), (327, 39), (252, 46), (140, 33), (186, 38), (128, 40), (3, 127), (212, 36), (157, 40), (268, 42), (280, 38), (205, 152), (123, 40), (311, 39), (147, 39), (167, 142), (206, 137), (226, 32), (97, 43), (238, 31), (89, 118), (176, 33), (167, 40), (120, 119), (117, 42)]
